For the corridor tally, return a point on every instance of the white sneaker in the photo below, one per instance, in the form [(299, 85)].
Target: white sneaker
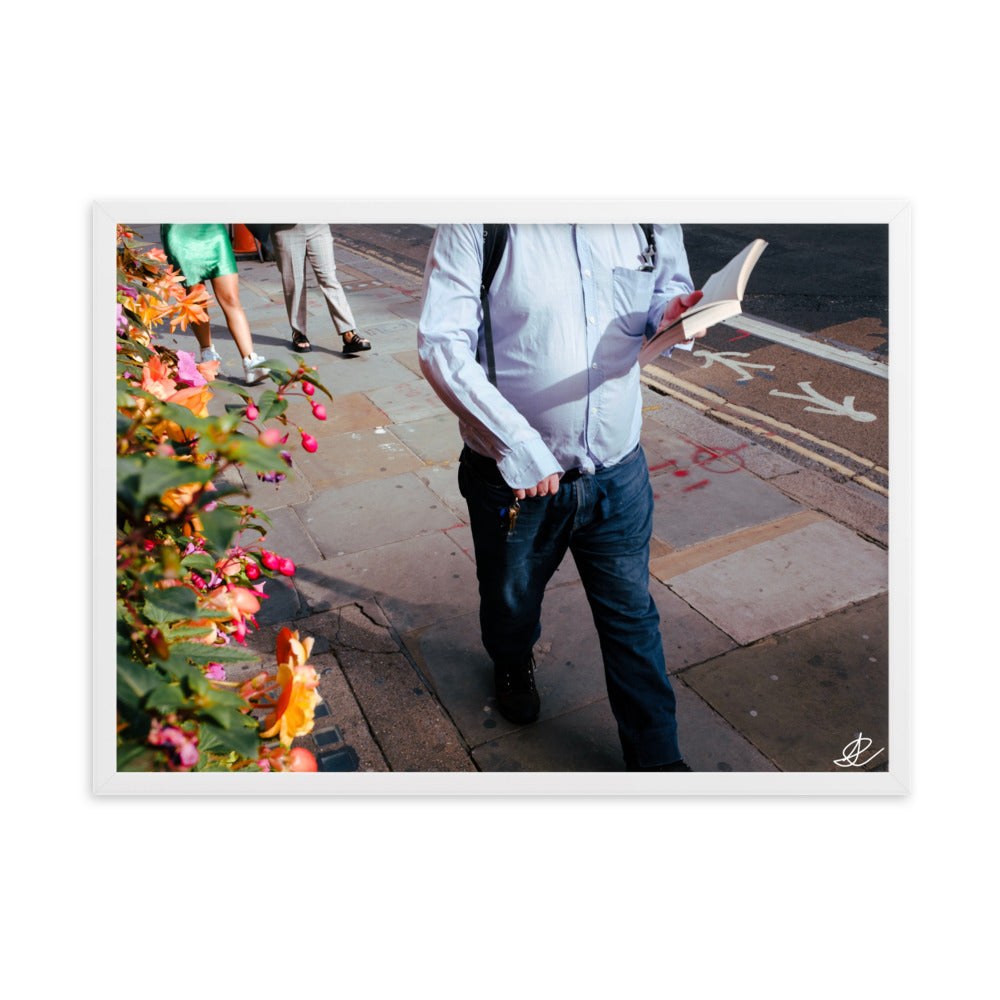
[(210, 354), (252, 369)]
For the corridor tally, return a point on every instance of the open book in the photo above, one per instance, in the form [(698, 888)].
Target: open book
[(722, 297)]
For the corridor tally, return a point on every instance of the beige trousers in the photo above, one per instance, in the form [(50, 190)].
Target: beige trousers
[(293, 246)]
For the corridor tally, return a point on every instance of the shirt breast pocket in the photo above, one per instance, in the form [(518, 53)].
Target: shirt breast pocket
[(632, 294)]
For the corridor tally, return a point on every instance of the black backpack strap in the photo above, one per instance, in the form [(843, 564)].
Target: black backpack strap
[(649, 256), (494, 241)]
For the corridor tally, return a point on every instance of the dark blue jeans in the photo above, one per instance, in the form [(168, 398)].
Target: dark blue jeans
[(605, 520)]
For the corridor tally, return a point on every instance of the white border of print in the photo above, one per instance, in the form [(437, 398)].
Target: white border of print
[(896, 781)]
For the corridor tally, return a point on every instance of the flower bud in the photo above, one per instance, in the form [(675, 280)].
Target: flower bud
[(300, 759), (319, 411), (308, 388), (286, 567), (309, 442), (270, 560), (252, 412), (158, 644)]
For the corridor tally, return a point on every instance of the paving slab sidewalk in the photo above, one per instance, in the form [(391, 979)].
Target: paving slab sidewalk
[(771, 580)]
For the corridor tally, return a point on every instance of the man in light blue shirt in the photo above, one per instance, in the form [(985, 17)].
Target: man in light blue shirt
[(552, 458)]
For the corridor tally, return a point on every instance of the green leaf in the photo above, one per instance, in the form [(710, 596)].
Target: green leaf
[(255, 456), (175, 633), (171, 604), (271, 405), (242, 737), (201, 653), (136, 679), (184, 418), (129, 752), (219, 526), (165, 699), (162, 474), (223, 699), (178, 668), (198, 562)]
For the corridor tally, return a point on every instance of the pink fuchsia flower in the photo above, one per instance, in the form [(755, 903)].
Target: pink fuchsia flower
[(271, 437), (239, 603), (182, 749), (215, 672), (187, 369)]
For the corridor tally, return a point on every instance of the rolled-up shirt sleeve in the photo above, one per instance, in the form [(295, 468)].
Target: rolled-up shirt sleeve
[(673, 277), (447, 345)]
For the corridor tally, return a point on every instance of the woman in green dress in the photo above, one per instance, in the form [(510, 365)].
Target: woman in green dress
[(202, 252)]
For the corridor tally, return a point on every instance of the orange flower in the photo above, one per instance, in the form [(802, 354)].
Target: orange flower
[(156, 378), (291, 650), (191, 308), (294, 711), (150, 310), (208, 370), (180, 496), (195, 398)]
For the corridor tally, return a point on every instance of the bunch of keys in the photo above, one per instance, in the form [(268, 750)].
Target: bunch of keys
[(508, 516)]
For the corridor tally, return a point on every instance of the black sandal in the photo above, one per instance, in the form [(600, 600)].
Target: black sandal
[(300, 342), (353, 343)]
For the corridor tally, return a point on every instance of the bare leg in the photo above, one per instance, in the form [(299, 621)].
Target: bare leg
[(202, 331), (227, 293)]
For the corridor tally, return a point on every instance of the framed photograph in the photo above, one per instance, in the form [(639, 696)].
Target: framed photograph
[(294, 555)]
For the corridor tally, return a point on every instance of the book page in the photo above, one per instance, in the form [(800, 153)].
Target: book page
[(731, 281), (721, 297)]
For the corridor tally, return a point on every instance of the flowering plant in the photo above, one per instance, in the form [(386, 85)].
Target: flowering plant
[(191, 565)]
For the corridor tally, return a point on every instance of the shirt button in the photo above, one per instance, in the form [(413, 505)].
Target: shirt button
[(594, 366), (590, 319), (586, 273)]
